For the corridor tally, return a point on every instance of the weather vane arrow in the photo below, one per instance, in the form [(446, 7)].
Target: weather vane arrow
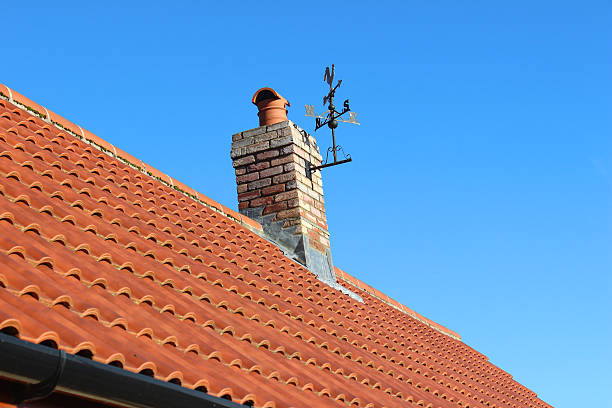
[(331, 119)]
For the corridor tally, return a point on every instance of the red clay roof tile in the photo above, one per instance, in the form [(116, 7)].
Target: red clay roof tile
[(128, 270)]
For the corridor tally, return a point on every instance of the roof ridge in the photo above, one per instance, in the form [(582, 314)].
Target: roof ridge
[(92, 139), (351, 280)]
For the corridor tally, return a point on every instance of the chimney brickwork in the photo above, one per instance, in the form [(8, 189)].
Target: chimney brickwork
[(270, 163)]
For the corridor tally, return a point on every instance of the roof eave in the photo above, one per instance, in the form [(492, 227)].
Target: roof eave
[(35, 367)]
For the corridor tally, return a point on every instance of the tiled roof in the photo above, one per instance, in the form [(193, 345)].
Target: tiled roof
[(109, 259)]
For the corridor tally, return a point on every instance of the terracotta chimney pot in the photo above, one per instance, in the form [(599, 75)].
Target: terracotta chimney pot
[(272, 106)]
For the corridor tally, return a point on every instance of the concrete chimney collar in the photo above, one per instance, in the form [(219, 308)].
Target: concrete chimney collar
[(271, 106)]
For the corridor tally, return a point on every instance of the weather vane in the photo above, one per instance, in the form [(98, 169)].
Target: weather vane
[(331, 119)]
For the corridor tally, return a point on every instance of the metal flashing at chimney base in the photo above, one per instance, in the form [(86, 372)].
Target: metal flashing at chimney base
[(297, 247)]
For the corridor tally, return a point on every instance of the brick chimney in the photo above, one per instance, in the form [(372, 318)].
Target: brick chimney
[(273, 188)]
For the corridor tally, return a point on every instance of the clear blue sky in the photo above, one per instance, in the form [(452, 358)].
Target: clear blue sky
[(480, 194)]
